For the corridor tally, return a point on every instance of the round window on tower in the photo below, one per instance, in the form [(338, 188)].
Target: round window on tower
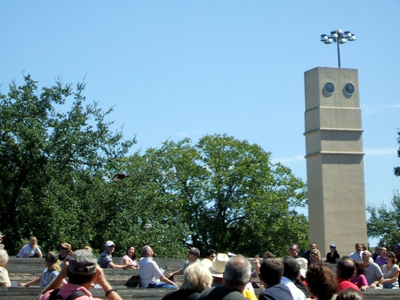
[(348, 89), (328, 89)]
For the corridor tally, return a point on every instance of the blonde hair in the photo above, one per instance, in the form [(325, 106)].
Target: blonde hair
[(3, 257), (52, 262), (197, 277), (318, 253)]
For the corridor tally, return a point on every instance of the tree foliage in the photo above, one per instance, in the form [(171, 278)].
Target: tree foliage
[(223, 193), (52, 164), (384, 222), (397, 169)]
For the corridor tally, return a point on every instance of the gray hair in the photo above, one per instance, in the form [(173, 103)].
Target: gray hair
[(145, 251), (197, 277), (3, 257), (237, 271)]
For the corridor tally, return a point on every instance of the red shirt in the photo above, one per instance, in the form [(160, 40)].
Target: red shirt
[(346, 284)]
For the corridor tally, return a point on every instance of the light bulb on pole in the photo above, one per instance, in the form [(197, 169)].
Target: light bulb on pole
[(339, 37)]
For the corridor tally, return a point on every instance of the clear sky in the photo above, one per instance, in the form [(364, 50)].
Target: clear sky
[(175, 69)]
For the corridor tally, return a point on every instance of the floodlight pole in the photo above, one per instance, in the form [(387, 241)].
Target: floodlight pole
[(339, 37)]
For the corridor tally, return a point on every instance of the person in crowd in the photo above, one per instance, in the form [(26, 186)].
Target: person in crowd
[(307, 253), (81, 270), (65, 252), (211, 254), (1, 241), (192, 257), (290, 274), (88, 248), (217, 269), (372, 271), (30, 250), (377, 252), (345, 270), (150, 274), (236, 277), (321, 281), (130, 258), (315, 256), (4, 278), (196, 279), (257, 265), (271, 273), (396, 250), (358, 277), (294, 251), (52, 269), (350, 294), (300, 281), (105, 259), (390, 272), (333, 256), (381, 259), (357, 255)]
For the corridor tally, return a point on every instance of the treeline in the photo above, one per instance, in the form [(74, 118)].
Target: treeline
[(58, 154)]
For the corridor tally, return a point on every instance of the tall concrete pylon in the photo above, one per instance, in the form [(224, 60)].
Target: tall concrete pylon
[(335, 159)]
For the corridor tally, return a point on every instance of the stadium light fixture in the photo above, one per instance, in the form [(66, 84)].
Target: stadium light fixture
[(339, 37)]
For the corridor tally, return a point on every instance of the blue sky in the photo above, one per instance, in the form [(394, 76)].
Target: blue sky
[(175, 69)]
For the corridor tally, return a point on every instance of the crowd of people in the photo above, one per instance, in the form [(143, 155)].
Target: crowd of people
[(218, 275)]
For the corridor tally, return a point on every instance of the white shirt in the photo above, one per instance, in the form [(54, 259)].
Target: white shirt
[(149, 271), (297, 294)]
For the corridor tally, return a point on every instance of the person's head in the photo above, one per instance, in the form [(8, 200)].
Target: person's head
[(52, 262), (359, 267), (321, 281), (110, 247), (211, 254), (237, 271), (217, 268), (383, 252), (267, 255), (193, 254), (366, 255), (131, 252), (291, 268), (313, 246), (197, 278), (391, 257), (396, 249), (1, 237), (147, 251), (345, 267), (271, 271), (82, 267), (88, 248), (65, 249), (359, 247), (332, 247), (3, 258), (33, 241), (378, 250), (293, 250), (350, 294), (315, 255)]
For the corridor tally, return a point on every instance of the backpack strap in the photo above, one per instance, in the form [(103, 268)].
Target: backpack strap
[(76, 294)]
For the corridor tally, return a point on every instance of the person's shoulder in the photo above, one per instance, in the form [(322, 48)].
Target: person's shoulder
[(279, 291)]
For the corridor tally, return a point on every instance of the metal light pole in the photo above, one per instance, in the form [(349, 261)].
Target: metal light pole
[(339, 37)]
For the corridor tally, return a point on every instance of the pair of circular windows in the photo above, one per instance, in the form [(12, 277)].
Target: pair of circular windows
[(348, 89)]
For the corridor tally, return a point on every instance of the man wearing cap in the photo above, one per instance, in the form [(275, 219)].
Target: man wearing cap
[(333, 256), (81, 270), (150, 274), (65, 252), (105, 259), (192, 257)]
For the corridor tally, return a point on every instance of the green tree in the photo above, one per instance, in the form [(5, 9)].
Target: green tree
[(226, 194), (384, 222), (397, 169), (53, 164)]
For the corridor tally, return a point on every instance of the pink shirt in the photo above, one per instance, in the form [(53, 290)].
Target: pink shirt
[(360, 281), (68, 289)]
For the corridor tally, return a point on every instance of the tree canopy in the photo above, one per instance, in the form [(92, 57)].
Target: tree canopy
[(58, 154)]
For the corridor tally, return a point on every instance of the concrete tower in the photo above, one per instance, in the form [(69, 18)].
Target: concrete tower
[(335, 165)]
